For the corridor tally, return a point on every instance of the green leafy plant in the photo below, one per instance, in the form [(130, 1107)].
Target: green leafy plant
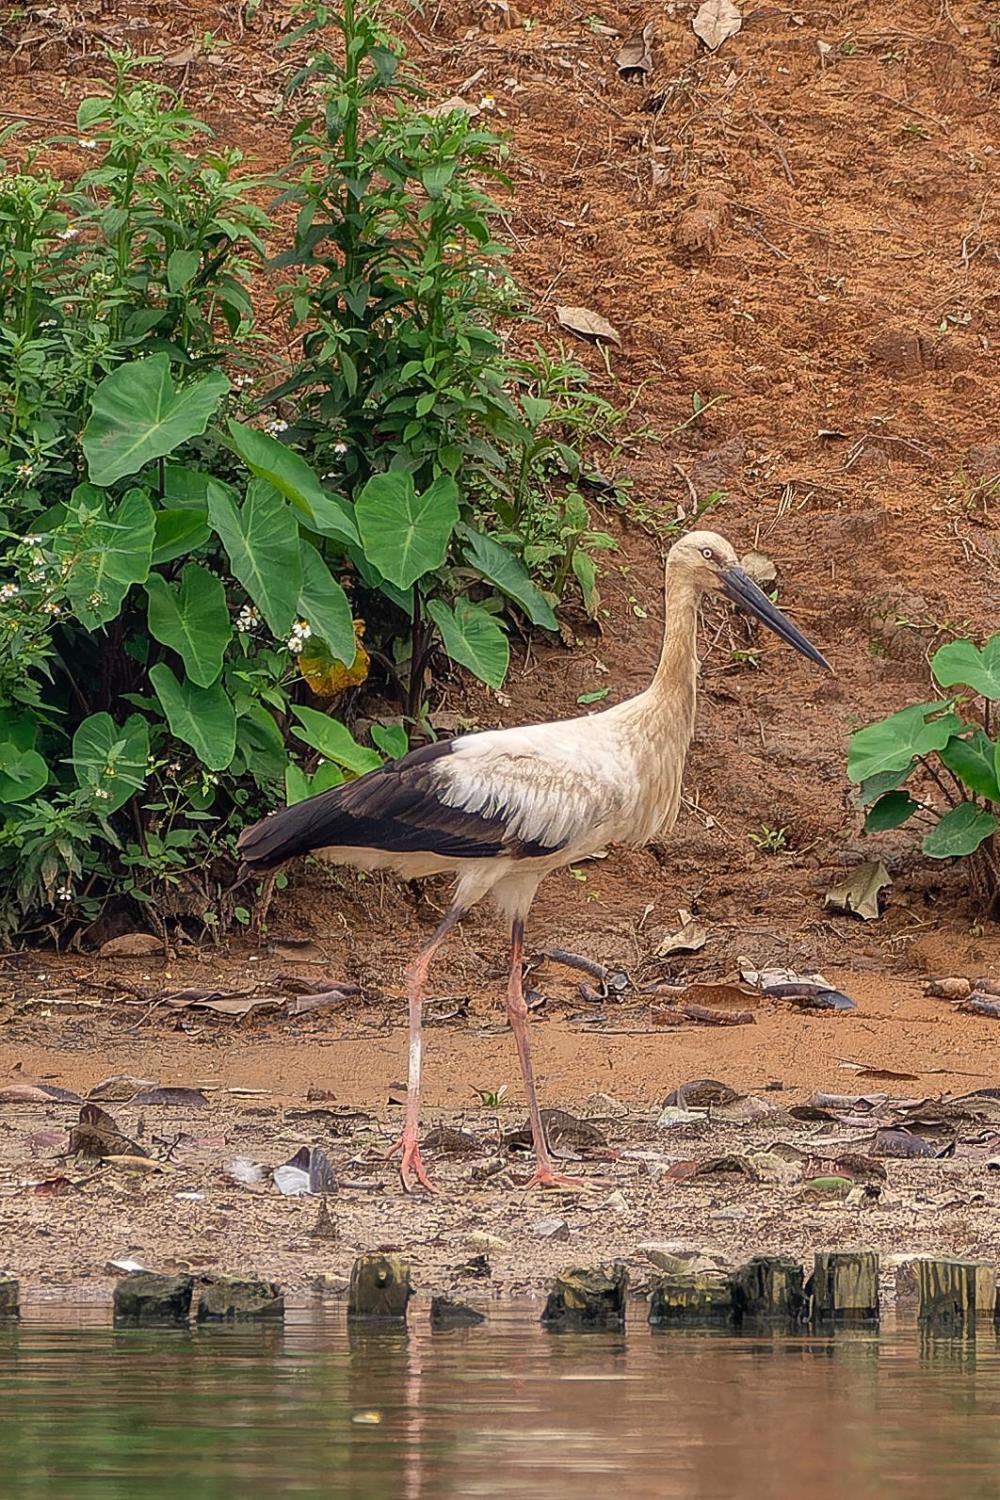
[(947, 745)]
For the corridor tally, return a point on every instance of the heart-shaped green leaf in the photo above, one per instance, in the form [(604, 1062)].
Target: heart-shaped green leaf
[(268, 459), (260, 744), (138, 415), (192, 620), (874, 787), (960, 663), (201, 717), (111, 759), (894, 742), (509, 575), (406, 535), (178, 532), (23, 772), (890, 811), (472, 637), (973, 761), (262, 540), (334, 741), (960, 831), (299, 786), (104, 552), (325, 605)]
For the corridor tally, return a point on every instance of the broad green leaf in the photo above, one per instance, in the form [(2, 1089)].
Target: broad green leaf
[(889, 811), (325, 605), (137, 415), (105, 552), (585, 572), (262, 540), (406, 535), (876, 786), (510, 576), (203, 718), (268, 459), (391, 739), (960, 663), (334, 741), (974, 763), (111, 759), (178, 532), (299, 786), (960, 831), (182, 267), (259, 742), (192, 620), (893, 743), (23, 772), (472, 637)]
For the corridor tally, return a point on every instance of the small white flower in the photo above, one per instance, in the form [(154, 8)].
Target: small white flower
[(301, 630), (47, 323), (340, 448), (277, 426), (36, 575), (86, 144), (248, 619), (487, 102), (68, 233), (102, 794), (451, 248), (24, 471), (9, 591), (65, 893), (52, 607), (294, 645), (31, 541)]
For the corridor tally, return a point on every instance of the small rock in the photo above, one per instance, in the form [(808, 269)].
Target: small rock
[(131, 945), (481, 1240), (616, 1202), (949, 989), (746, 1111), (238, 1299), (683, 1255), (770, 1166), (143, 1298), (673, 1116), (606, 1106), (550, 1228), (448, 1312), (10, 1295), (729, 1214), (331, 1283), (124, 1267)]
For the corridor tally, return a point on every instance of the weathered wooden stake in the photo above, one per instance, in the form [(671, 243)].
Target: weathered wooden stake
[(844, 1287), (690, 1299), (587, 1299), (768, 1289), (955, 1295), (10, 1296), (380, 1287)]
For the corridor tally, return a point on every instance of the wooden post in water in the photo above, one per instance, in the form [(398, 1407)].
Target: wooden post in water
[(768, 1289), (380, 1287), (953, 1296), (844, 1287), (10, 1296), (691, 1299), (587, 1299)]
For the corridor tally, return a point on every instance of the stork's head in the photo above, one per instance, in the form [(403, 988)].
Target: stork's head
[(713, 566)]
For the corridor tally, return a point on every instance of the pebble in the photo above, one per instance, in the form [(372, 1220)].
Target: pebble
[(550, 1228), (673, 1116), (481, 1240), (949, 989), (730, 1213), (607, 1106), (617, 1202)]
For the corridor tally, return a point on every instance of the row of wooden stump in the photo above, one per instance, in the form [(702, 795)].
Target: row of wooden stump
[(955, 1296)]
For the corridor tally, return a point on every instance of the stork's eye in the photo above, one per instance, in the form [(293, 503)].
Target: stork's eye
[(707, 552)]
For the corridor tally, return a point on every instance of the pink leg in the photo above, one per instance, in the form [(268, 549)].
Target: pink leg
[(416, 982), (517, 1014)]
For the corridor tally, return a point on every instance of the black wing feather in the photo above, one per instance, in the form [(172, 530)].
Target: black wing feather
[(395, 808)]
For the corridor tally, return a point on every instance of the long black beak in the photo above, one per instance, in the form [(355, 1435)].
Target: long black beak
[(741, 589)]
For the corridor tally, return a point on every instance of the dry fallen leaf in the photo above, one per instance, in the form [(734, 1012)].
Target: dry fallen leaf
[(131, 945), (36, 1093), (97, 1134), (635, 57), (119, 1088), (689, 937), (858, 894), (760, 568), (587, 325), (715, 21)]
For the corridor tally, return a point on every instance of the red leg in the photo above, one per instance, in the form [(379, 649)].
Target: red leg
[(517, 1014), (412, 1164)]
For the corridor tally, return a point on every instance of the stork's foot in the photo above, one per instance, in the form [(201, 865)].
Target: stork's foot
[(411, 1166), (544, 1177)]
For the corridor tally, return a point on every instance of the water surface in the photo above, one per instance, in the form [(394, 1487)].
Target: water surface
[(502, 1411)]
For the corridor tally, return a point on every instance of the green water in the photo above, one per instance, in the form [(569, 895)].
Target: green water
[(501, 1411)]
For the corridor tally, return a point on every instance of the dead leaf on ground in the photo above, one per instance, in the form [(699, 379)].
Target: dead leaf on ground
[(689, 937), (48, 1142), (900, 1143), (635, 56), (240, 1007), (131, 1162), (37, 1093), (561, 1129), (96, 1134), (747, 1111), (872, 1070), (131, 945), (760, 568), (183, 57), (297, 950), (715, 22), (453, 105), (726, 1166), (52, 1187), (950, 989), (588, 325), (858, 894), (308, 1171), (452, 1142), (981, 1005), (808, 991), (301, 1005)]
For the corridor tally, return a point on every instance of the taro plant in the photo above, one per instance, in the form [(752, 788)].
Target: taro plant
[(906, 763)]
